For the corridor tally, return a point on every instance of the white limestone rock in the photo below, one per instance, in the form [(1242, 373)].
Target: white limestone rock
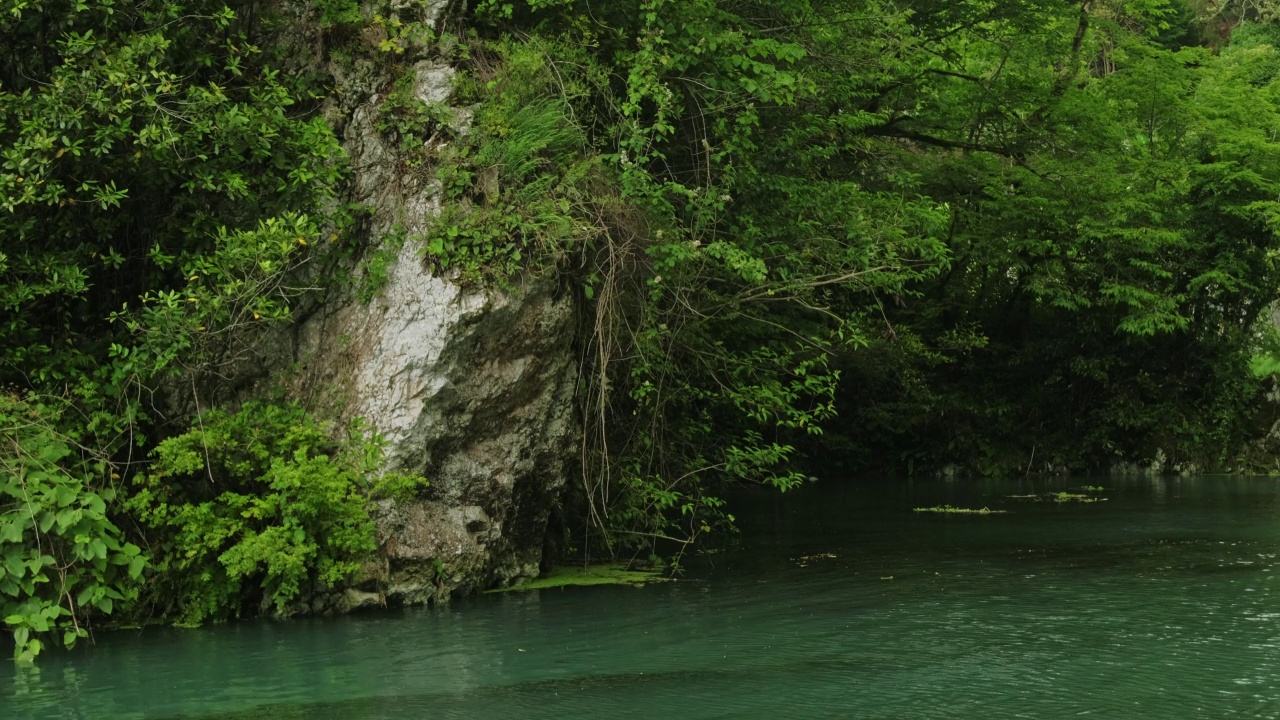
[(472, 388)]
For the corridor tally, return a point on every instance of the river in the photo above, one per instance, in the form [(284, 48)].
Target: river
[(839, 601)]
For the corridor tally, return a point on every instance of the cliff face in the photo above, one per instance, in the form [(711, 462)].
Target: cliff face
[(471, 387)]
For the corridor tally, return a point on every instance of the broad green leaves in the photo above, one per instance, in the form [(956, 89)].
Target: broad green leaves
[(62, 559)]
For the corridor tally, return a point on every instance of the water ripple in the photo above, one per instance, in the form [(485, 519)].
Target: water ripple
[(1157, 604)]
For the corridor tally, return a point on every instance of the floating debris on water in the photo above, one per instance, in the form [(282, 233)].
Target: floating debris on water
[(951, 510), (1061, 497), (606, 574), (805, 560)]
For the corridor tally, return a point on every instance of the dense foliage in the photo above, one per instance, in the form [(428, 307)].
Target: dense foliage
[(904, 235), (63, 557), (160, 186), (1111, 249), (999, 237)]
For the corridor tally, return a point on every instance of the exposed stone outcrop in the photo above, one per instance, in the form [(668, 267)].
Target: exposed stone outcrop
[(470, 387)]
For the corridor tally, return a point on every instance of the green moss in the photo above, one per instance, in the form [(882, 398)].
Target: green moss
[(377, 265), (606, 574)]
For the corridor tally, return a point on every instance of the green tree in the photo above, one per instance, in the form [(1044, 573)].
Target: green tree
[(1112, 250), (160, 185), (998, 235)]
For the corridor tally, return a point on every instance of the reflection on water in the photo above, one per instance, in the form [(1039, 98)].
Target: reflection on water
[(1158, 603)]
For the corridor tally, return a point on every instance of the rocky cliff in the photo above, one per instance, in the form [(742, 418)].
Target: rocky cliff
[(471, 387)]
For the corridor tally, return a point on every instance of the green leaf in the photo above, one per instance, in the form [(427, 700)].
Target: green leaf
[(17, 566), (10, 531)]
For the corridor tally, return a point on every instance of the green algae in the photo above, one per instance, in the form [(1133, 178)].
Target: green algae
[(950, 510), (603, 574), (1063, 497)]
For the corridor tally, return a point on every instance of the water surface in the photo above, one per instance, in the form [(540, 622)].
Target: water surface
[(839, 602)]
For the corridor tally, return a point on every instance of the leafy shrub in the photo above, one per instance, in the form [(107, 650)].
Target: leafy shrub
[(260, 506), (336, 13), (62, 559), (414, 121)]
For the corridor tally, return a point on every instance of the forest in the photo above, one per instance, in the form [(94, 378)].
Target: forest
[(807, 237)]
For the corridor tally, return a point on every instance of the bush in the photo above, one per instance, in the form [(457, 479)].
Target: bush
[(62, 560), (254, 508)]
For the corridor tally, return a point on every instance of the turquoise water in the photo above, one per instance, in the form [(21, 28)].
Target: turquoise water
[(840, 602)]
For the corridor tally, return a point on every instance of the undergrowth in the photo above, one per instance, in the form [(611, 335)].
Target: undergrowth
[(259, 507)]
